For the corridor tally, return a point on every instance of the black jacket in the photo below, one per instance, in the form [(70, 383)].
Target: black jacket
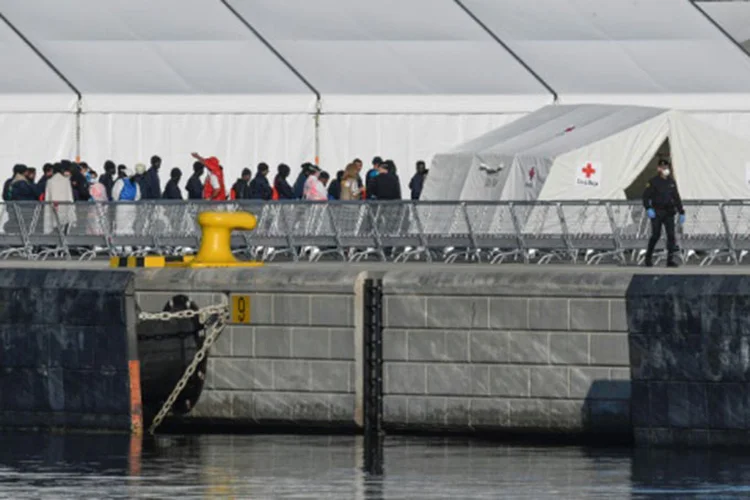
[(23, 190), (107, 180), (41, 186), (194, 188), (662, 194), (299, 185), (260, 189), (283, 188), (416, 185), (172, 190), (6, 189), (241, 189), (385, 187), (334, 189), (150, 185), (80, 187)]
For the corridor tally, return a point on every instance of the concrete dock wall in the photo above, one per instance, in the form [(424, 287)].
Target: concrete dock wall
[(528, 351), (66, 342), (293, 362), (464, 349), (524, 349)]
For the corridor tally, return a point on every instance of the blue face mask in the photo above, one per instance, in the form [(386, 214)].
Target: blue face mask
[(88, 176)]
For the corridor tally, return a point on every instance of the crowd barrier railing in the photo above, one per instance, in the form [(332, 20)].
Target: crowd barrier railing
[(589, 232)]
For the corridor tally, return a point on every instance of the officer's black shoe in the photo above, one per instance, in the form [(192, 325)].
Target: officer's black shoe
[(648, 262), (672, 264)]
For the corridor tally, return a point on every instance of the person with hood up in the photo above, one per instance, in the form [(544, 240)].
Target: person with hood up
[(108, 177), (260, 189), (241, 188), (151, 185), (21, 188), (194, 185), (126, 188), (283, 190), (299, 184), (417, 182), (214, 188), (314, 189), (172, 189), (140, 178), (59, 195)]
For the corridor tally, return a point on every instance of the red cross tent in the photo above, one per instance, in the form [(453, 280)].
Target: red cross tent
[(583, 152)]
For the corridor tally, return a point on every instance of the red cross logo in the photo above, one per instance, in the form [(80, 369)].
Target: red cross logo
[(588, 171), (532, 173)]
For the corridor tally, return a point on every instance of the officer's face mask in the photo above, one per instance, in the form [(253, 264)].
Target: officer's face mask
[(666, 172)]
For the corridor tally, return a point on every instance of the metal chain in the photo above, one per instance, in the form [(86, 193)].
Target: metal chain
[(203, 314), (221, 312)]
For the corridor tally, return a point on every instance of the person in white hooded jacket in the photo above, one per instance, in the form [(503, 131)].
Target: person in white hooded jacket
[(126, 188), (58, 193)]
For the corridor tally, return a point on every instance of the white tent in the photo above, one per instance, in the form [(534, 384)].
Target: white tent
[(398, 78), (170, 77), (733, 17), (37, 108), (288, 80), (584, 152), (662, 53)]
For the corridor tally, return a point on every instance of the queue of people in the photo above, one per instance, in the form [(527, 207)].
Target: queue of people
[(120, 183)]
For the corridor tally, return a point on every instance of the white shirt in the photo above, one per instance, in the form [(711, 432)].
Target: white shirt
[(214, 180)]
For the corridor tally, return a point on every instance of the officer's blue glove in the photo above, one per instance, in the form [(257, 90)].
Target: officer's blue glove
[(682, 219), (651, 213)]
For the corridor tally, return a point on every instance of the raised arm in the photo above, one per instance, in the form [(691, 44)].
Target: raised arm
[(199, 158)]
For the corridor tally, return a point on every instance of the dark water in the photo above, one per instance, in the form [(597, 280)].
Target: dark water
[(295, 467)]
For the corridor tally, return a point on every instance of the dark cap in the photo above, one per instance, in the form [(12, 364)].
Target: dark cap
[(19, 168), (377, 160), (246, 171), (664, 162)]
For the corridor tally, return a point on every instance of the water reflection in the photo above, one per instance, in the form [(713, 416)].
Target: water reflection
[(315, 467)]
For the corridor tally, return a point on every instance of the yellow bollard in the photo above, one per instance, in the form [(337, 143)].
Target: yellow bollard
[(216, 248)]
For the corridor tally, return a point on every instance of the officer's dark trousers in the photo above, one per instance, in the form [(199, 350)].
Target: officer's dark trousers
[(666, 219)]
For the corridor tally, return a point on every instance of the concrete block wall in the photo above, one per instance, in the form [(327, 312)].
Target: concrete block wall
[(504, 348), (293, 362), (506, 351)]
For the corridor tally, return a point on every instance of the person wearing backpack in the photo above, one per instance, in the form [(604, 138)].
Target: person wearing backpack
[(126, 188)]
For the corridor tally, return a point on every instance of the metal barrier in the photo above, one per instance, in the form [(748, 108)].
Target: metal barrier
[(589, 232)]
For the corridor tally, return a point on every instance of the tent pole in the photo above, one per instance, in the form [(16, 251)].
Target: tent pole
[(79, 113), (59, 74), (318, 111), (719, 27), (509, 50)]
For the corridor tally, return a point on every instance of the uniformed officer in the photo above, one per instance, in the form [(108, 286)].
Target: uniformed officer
[(662, 201)]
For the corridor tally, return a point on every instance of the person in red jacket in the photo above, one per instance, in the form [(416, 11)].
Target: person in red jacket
[(214, 188)]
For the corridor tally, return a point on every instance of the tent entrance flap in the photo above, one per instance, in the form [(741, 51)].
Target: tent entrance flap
[(635, 190)]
